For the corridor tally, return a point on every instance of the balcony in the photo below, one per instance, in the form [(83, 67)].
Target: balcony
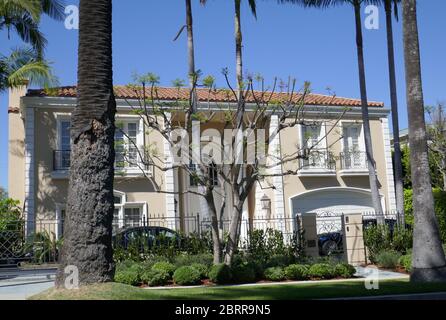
[(124, 166), (320, 163), (353, 164)]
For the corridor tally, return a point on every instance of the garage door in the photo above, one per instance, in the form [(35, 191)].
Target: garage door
[(333, 200), (329, 204)]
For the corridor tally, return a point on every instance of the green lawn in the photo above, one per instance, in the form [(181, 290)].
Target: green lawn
[(115, 291)]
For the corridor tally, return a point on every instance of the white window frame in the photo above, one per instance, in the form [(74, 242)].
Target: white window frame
[(142, 205), (361, 140), (60, 117), (322, 139), (126, 119), (58, 232), (322, 146)]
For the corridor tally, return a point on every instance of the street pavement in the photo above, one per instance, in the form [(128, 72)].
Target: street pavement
[(18, 284)]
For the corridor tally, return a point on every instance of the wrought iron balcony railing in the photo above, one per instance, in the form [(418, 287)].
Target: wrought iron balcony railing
[(353, 161), (319, 160)]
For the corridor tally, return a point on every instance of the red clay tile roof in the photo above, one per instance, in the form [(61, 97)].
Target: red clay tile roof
[(219, 95)]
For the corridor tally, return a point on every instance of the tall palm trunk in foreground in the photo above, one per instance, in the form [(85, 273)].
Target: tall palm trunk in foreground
[(88, 225), (399, 189), (376, 199), (428, 263)]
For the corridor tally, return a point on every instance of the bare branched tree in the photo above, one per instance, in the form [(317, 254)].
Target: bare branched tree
[(240, 154)]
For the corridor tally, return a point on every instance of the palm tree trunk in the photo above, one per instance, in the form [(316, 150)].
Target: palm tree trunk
[(88, 226), (191, 53), (238, 48), (428, 263), (399, 189), (194, 103), (376, 199)]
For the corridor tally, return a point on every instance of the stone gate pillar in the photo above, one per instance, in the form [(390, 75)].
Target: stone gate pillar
[(307, 224), (353, 239)]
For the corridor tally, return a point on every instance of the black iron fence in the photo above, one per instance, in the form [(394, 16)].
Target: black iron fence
[(40, 241)]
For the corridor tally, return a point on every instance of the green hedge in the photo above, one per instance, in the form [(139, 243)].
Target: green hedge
[(406, 262), (155, 278), (164, 267), (344, 270), (243, 273), (275, 274), (440, 209), (220, 274), (322, 271), (296, 272), (388, 259), (187, 276)]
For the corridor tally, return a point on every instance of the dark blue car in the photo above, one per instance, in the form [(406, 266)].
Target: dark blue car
[(145, 237)]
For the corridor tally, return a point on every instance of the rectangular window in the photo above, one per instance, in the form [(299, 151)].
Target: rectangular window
[(116, 219), (353, 155), (62, 154), (351, 136), (193, 178), (126, 145), (132, 217), (313, 136)]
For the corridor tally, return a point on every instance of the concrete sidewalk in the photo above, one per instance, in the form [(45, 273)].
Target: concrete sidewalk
[(19, 284)]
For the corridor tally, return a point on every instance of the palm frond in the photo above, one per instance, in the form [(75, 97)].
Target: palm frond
[(29, 31), (253, 6), (10, 8), (54, 9), (23, 66)]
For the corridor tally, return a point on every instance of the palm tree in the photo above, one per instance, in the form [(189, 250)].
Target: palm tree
[(428, 262), (399, 188), (22, 66), (25, 65), (376, 199), (239, 38), (88, 226), (23, 16), (239, 41)]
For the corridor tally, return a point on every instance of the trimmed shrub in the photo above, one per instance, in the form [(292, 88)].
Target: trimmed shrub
[(406, 262), (388, 259), (402, 240), (344, 270), (188, 259), (258, 268), (322, 271), (220, 274), (275, 274), (129, 276), (440, 209), (124, 265), (187, 276), (201, 268), (279, 260), (155, 278), (376, 239), (296, 272), (164, 266), (243, 273)]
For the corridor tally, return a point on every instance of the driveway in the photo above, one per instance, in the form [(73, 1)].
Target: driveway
[(18, 284)]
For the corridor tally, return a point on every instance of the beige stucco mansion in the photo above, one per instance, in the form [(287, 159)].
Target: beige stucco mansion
[(39, 160)]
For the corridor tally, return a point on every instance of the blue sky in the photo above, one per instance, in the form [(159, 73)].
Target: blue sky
[(285, 40)]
